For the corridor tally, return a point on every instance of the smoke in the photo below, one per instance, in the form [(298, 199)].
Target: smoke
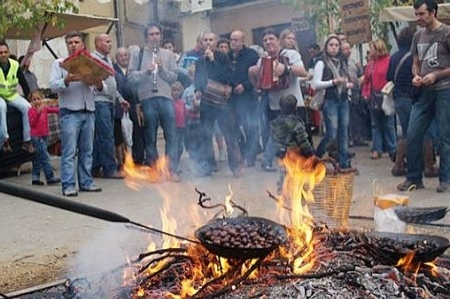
[(99, 265)]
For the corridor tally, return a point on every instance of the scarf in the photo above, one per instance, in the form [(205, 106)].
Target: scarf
[(334, 64)]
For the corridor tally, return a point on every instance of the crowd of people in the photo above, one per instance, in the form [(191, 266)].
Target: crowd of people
[(250, 102)]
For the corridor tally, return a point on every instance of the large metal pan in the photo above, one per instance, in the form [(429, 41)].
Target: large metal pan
[(261, 228), (394, 246)]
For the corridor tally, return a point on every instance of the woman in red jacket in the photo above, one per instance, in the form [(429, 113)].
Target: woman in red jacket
[(383, 126)]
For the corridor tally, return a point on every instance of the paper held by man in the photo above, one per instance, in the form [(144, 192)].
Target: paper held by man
[(83, 63)]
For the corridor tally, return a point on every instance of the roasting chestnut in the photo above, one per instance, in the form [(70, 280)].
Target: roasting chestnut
[(252, 234)]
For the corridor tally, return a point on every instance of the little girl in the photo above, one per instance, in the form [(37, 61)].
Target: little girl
[(180, 120), (38, 115)]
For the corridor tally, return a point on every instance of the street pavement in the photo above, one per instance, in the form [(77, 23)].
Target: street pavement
[(33, 230)]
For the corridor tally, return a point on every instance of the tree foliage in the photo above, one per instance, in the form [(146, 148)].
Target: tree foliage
[(326, 15), (27, 14)]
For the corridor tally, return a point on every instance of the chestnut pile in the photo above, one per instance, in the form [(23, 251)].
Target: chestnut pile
[(242, 235)]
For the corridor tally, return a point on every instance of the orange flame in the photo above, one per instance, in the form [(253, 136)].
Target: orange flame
[(137, 176), (302, 174), (228, 207), (408, 265)]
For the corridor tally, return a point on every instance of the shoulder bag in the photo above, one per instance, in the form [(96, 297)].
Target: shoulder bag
[(388, 90), (216, 93), (376, 97)]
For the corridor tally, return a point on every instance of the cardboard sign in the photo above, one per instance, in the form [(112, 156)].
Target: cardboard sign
[(83, 63), (356, 21)]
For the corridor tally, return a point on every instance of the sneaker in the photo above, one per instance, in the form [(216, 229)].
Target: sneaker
[(91, 188), (53, 181), (71, 192), (28, 147), (375, 155), (443, 187), (410, 186), (267, 167), (37, 183)]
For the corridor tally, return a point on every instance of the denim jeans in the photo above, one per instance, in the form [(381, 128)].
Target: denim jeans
[(41, 160), (226, 118), (403, 106), (336, 118), (23, 106), (384, 135), (104, 153), (159, 110), (246, 108), (431, 104), (269, 148), (77, 139)]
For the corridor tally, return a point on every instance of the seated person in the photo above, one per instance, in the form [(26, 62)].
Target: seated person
[(289, 133), (12, 76)]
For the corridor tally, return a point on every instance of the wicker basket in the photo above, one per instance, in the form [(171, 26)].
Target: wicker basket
[(332, 199)]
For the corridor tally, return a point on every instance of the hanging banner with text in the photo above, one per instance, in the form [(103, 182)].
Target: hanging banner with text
[(356, 21)]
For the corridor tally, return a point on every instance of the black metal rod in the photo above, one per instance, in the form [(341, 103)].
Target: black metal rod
[(76, 207)]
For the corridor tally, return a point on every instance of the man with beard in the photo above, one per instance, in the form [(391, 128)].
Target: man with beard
[(244, 97), (154, 73), (431, 73), (213, 69)]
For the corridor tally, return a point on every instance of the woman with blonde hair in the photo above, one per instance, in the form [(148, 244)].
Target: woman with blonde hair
[(288, 40), (383, 126)]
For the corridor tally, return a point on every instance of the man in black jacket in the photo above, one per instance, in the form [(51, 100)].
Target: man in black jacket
[(244, 97), (214, 67)]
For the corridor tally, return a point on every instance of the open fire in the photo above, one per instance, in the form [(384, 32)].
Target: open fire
[(311, 261)]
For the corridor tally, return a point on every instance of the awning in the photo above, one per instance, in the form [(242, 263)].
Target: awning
[(71, 22), (406, 14)]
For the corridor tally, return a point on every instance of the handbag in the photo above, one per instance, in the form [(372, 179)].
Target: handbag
[(317, 100), (216, 93), (388, 106), (127, 129), (376, 100)]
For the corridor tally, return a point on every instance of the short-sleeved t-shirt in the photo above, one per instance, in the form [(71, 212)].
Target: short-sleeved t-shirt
[(437, 57)]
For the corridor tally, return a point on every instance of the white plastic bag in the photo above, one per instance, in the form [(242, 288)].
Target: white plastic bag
[(317, 100), (127, 129), (388, 99), (386, 219), (388, 104)]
